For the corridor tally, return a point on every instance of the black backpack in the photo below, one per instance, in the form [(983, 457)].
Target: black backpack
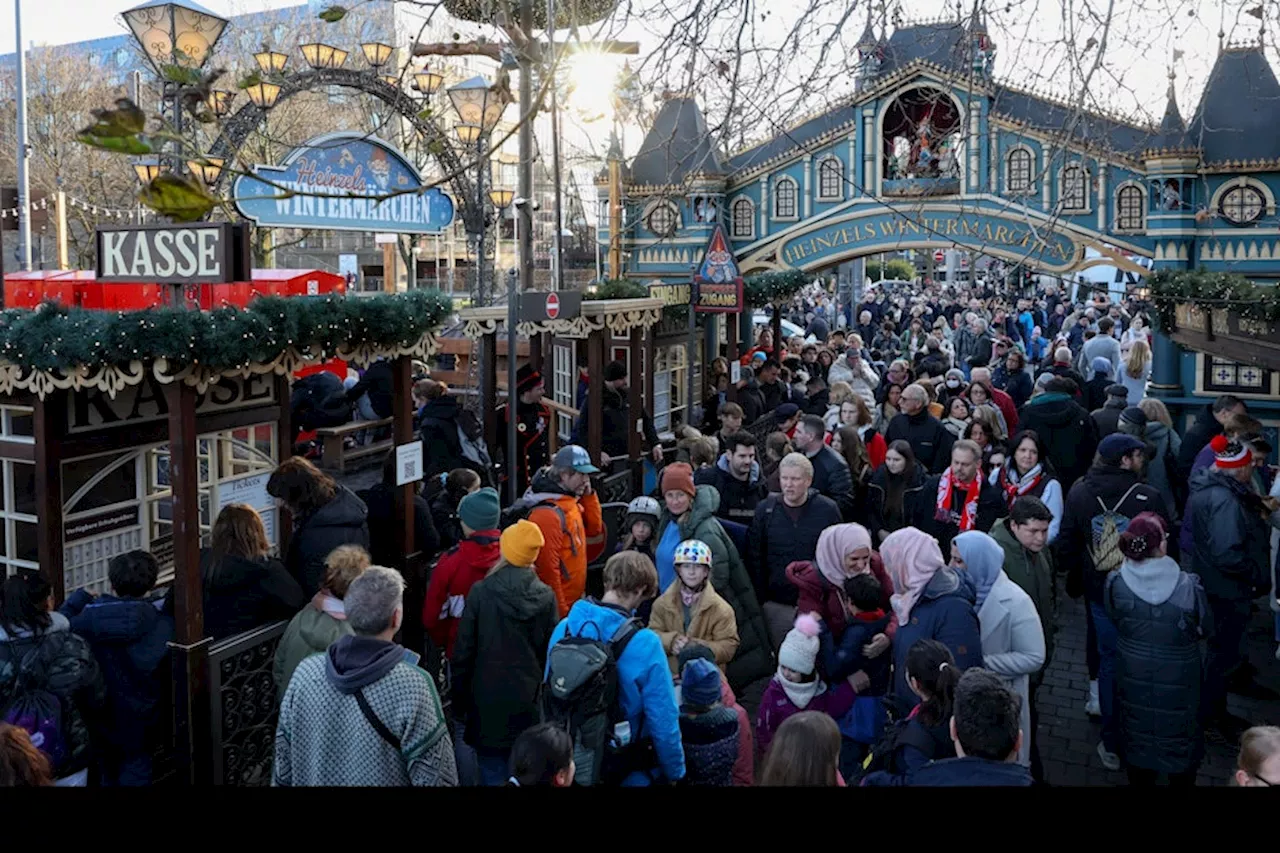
[(883, 755), (524, 507), (581, 695)]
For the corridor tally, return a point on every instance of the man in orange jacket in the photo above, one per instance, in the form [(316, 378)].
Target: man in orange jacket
[(568, 512)]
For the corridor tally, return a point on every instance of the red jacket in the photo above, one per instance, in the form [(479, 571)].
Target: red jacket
[(454, 575), (818, 595)]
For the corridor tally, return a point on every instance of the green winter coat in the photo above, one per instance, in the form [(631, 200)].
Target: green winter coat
[(754, 659), (310, 632), (1034, 573)]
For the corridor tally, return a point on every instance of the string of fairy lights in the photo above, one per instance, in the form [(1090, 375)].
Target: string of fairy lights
[(100, 210)]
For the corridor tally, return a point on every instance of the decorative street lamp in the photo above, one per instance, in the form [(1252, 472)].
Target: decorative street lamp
[(175, 32), (392, 80), (207, 169), (321, 56), (377, 53), (148, 169), (263, 94), (427, 82), (501, 197), (476, 102), (220, 102), (271, 61), (468, 134)]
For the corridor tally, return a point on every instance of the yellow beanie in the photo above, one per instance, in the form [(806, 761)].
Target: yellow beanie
[(521, 543)]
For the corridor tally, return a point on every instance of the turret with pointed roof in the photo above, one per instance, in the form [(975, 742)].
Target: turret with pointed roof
[(1172, 135), (1239, 110), (677, 148)]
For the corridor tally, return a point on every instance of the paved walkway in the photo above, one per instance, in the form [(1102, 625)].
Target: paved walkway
[(1069, 738)]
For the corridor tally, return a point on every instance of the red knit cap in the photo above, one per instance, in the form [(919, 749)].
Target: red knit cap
[(1230, 454), (678, 477)]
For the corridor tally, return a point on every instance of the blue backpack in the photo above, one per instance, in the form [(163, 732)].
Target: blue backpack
[(40, 713)]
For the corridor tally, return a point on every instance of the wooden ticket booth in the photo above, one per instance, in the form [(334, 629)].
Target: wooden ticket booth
[(144, 428)]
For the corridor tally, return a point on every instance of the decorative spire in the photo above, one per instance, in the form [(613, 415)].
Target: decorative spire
[(615, 147), (868, 40)]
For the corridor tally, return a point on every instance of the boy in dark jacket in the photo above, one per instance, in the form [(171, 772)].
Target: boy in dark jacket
[(984, 726), (708, 730), (129, 635)]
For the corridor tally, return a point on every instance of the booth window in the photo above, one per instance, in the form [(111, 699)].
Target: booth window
[(564, 387), (18, 521), (670, 381)]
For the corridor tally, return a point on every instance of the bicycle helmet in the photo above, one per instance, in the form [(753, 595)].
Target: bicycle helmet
[(693, 551)]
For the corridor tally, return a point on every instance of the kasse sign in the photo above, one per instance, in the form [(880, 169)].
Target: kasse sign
[(343, 182), (196, 253)]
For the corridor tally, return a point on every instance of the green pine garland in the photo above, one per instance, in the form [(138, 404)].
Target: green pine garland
[(1209, 290), (772, 288), (55, 338), (617, 288)]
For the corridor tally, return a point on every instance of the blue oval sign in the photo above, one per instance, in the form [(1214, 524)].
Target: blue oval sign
[(343, 182)]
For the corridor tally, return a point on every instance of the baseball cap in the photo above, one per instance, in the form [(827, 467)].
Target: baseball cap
[(575, 457), (1116, 446), (787, 410)]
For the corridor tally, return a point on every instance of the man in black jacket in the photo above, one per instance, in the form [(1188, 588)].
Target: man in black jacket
[(772, 391), (1097, 508), (1095, 390), (785, 530), (1232, 557), (962, 498), (1208, 423), (1064, 427), (616, 414), (1107, 419), (929, 439), (737, 477), (749, 396), (831, 475)]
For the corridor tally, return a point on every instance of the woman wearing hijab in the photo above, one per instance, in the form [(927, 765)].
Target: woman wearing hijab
[(1160, 613), (932, 602), (843, 550), (1012, 638)]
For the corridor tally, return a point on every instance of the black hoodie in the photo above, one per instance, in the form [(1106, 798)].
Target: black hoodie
[(1067, 432), (1195, 438), (929, 439)]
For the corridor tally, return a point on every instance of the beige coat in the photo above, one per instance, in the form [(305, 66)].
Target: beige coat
[(712, 624)]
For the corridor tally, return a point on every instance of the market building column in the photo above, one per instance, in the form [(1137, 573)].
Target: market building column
[(49, 420), (1166, 356), (190, 646)]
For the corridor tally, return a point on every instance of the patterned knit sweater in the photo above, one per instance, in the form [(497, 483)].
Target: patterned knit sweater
[(323, 737)]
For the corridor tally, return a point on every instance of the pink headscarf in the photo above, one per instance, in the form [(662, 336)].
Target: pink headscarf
[(833, 544), (911, 558)]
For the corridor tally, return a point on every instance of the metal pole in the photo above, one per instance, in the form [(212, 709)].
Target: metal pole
[(557, 256), (24, 150), (689, 349), (525, 213), (513, 417)]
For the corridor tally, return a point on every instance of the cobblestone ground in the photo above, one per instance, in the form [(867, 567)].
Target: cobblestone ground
[(1068, 738)]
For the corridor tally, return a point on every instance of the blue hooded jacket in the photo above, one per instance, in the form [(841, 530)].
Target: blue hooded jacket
[(970, 772), (645, 689), (130, 638)]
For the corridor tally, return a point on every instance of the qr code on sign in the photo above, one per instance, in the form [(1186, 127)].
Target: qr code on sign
[(409, 470)]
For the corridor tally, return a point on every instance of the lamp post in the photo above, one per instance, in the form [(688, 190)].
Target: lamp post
[(479, 107), (174, 33), (24, 188)]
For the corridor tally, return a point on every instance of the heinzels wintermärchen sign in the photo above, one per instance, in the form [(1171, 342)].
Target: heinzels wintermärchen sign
[(181, 253), (343, 182)]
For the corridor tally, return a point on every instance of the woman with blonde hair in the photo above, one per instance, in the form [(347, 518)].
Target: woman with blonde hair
[(1259, 763), (1160, 471), (841, 393), (244, 587), (1136, 371), (321, 622)]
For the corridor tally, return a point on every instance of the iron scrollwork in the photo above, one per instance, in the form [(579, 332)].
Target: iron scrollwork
[(245, 706)]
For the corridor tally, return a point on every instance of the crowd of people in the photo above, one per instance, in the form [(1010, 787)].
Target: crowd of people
[(850, 575)]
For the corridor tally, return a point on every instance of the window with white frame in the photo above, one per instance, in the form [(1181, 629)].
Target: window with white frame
[(1021, 169), (17, 423), (18, 520), (830, 179), (670, 372), (744, 218), (564, 387), (1131, 209), (784, 199), (1222, 376), (1075, 195)]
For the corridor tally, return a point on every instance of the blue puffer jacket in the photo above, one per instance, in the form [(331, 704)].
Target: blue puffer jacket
[(129, 637), (645, 689), (944, 613), (971, 772)]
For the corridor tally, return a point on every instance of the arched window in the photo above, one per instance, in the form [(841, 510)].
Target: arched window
[(1131, 209), (784, 199), (1020, 171), (830, 180), (1074, 193), (744, 218)]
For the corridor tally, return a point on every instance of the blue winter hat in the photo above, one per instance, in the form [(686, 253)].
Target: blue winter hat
[(1101, 364), (700, 683), (481, 509)]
